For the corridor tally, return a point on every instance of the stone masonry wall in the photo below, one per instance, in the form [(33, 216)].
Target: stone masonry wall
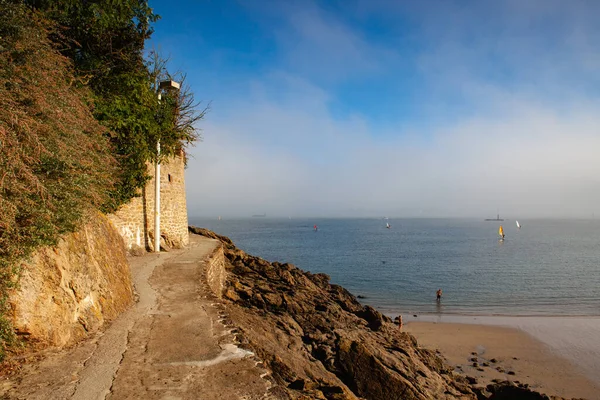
[(135, 220), (215, 271), (130, 222)]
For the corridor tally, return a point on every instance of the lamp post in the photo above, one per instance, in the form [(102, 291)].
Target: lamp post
[(165, 85)]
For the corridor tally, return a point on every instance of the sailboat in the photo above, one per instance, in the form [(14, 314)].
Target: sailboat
[(387, 225), (501, 232), (518, 225)]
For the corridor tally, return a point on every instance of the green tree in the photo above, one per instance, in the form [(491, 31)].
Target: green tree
[(178, 111), (105, 39)]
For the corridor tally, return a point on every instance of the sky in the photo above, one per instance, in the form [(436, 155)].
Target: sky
[(369, 108)]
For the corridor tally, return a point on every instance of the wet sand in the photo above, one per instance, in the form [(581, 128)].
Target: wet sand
[(504, 353)]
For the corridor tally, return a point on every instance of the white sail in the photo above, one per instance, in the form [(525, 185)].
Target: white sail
[(518, 225)]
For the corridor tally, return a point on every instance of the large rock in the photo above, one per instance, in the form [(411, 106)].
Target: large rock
[(68, 291), (507, 390)]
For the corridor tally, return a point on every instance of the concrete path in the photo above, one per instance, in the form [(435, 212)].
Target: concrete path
[(173, 343)]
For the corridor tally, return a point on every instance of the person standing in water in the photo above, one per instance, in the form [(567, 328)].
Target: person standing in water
[(438, 295)]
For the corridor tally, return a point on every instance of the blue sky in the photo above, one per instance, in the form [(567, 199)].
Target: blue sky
[(381, 107)]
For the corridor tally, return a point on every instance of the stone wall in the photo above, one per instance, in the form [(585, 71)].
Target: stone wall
[(215, 271), (135, 220), (68, 291), (130, 221)]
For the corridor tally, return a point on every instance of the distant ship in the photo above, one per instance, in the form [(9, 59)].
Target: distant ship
[(259, 215), (495, 219)]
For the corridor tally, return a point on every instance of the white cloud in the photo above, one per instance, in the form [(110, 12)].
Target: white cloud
[(284, 160), (278, 149)]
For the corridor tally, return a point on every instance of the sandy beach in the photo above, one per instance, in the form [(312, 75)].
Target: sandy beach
[(536, 351)]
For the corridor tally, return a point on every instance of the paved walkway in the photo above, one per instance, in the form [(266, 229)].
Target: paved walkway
[(172, 344)]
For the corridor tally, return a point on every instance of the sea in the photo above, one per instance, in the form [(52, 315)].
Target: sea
[(548, 267), (543, 279)]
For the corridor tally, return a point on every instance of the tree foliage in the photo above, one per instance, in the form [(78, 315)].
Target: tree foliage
[(178, 111), (105, 39), (56, 162)]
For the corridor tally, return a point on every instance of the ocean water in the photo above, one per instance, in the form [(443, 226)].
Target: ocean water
[(547, 268)]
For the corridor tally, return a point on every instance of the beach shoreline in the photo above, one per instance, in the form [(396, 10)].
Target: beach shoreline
[(553, 355)]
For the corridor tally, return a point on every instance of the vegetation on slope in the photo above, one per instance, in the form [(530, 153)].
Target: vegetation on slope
[(80, 119), (56, 161)]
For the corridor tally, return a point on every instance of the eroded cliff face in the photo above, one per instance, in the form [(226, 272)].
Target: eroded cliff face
[(319, 342), (69, 291)]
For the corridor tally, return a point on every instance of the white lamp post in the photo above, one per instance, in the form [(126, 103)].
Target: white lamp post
[(162, 85)]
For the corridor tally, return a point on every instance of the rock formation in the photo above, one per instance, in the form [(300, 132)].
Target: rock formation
[(70, 290)]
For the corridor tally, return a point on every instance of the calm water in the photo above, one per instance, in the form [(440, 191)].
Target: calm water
[(549, 267)]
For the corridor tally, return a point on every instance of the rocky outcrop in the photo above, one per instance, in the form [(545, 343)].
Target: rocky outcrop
[(508, 390), (321, 343), (324, 344), (70, 290)]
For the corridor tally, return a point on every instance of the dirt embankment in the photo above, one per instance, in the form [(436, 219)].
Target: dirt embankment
[(319, 342)]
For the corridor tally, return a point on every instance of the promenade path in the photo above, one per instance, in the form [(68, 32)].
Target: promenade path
[(173, 343)]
